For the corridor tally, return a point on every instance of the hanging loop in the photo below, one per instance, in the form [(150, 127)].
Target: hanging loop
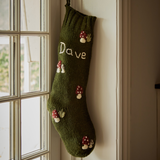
[(68, 2)]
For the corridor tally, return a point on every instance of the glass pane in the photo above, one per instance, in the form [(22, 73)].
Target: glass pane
[(30, 15), (37, 158), (4, 131), (4, 66), (4, 15), (34, 124), (30, 113), (30, 64), (44, 157), (8, 74)]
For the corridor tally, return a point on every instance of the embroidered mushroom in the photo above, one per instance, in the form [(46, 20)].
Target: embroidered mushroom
[(63, 68), (59, 66), (55, 116), (85, 142), (79, 92), (83, 37), (91, 143)]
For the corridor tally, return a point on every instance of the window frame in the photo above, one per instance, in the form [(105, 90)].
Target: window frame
[(15, 115)]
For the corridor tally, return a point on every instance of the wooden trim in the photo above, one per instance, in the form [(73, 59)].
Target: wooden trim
[(119, 80), (126, 79)]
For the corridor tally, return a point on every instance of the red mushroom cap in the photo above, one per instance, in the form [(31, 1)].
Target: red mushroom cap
[(59, 64), (55, 114), (79, 90), (83, 35), (85, 140)]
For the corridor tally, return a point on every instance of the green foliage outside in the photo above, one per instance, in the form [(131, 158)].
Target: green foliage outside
[(4, 71), (4, 68)]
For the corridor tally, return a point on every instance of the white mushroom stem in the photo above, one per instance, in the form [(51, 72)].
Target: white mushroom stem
[(57, 120), (58, 70), (82, 40), (91, 143), (63, 69), (90, 146), (85, 147), (79, 96)]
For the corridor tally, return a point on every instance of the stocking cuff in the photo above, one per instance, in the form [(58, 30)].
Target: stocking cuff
[(77, 20)]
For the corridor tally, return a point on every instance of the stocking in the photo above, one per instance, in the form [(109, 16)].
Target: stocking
[(67, 101)]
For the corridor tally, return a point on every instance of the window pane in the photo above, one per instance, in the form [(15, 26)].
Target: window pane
[(4, 131), (34, 124), (8, 60), (44, 157), (30, 64), (37, 158), (30, 15), (34, 51), (30, 111), (4, 15), (4, 66)]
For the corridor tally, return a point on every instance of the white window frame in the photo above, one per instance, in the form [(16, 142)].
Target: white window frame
[(53, 18)]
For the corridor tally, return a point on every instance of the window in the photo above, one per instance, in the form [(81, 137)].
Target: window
[(24, 79)]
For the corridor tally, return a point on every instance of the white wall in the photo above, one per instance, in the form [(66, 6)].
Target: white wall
[(101, 90), (145, 72)]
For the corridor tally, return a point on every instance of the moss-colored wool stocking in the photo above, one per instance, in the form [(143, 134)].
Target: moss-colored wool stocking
[(67, 101)]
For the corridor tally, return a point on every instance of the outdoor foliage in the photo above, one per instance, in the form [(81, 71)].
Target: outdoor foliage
[(4, 68), (4, 71)]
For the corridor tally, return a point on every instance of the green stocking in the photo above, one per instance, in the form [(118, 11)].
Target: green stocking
[(67, 101)]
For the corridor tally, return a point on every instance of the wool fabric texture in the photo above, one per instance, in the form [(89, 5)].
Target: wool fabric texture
[(67, 101)]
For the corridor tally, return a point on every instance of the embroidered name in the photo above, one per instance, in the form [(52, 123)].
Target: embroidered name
[(69, 51)]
